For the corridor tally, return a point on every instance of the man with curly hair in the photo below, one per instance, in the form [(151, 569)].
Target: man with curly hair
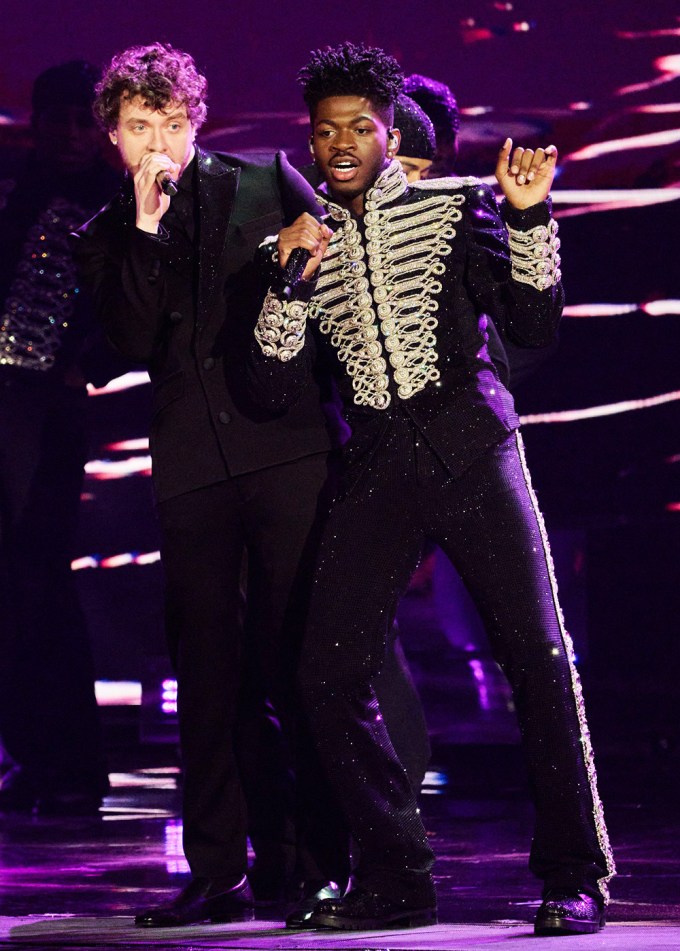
[(174, 285), (392, 298)]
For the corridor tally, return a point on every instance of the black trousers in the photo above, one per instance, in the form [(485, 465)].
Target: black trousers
[(49, 721), (233, 758), (488, 524)]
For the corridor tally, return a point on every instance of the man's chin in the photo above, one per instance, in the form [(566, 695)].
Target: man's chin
[(345, 191)]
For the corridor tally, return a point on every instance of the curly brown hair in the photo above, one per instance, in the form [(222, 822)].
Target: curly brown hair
[(159, 74)]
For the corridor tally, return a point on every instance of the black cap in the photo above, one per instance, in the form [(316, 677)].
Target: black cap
[(438, 102), (417, 131)]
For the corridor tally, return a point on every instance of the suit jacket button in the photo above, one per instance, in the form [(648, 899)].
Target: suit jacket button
[(224, 417), (208, 363), (175, 316)]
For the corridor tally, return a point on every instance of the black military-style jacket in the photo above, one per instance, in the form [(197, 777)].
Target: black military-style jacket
[(397, 313)]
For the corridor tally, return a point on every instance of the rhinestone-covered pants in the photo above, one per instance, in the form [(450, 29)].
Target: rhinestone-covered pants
[(488, 524)]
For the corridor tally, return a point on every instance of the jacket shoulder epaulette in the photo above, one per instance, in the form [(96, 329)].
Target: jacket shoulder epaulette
[(452, 183)]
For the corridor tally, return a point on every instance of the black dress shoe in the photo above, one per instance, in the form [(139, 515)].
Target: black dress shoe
[(361, 910), (203, 899), (568, 912), (312, 893)]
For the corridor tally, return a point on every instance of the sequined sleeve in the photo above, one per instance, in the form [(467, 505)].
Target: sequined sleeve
[(280, 328), (512, 267), (281, 325), (283, 352)]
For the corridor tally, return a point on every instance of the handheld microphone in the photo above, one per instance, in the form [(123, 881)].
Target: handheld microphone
[(166, 183), (294, 269), (295, 265)]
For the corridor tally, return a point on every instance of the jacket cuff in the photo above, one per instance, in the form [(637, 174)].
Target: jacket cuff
[(522, 219), (534, 246), (280, 328)]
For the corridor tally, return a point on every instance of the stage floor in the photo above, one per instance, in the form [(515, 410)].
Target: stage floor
[(76, 882)]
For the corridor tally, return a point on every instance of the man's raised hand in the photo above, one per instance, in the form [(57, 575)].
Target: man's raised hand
[(527, 175)]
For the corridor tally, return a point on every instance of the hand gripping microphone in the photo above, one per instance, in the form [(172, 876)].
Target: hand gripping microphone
[(296, 264), (297, 196)]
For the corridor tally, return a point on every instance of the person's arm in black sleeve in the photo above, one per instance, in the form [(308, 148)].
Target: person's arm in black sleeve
[(284, 353), (123, 269), (512, 272), (512, 267)]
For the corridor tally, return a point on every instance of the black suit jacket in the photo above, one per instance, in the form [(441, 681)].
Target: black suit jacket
[(188, 313)]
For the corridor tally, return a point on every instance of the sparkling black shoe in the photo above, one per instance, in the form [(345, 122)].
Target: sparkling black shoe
[(361, 910), (300, 914), (203, 899), (567, 912)]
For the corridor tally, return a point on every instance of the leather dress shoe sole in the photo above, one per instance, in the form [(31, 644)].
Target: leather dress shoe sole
[(195, 904), (569, 915)]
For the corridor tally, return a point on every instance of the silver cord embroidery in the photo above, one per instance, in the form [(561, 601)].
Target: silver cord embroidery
[(404, 249), (344, 305), (440, 184), (41, 298), (377, 303), (598, 811), (534, 256), (280, 328)]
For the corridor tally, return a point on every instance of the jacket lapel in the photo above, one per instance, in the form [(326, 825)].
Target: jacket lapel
[(217, 186)]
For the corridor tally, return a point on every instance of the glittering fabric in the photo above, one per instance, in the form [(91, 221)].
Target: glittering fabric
[(487, 523), (40, 301), (534, 254), (584, 732), (280, 329), (435, 460), (417, 132), (397, 314)]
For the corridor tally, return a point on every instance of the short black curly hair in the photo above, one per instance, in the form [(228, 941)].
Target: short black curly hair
[(160, 75), (352, 69)]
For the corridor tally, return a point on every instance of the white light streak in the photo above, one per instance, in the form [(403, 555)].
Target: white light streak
[(129, 445), (116, 561), (668, 66), (611, 196), (125, 382), (118, 693), (649, 140), (653, 308), (599, 310), (105, 469), (593, 412)]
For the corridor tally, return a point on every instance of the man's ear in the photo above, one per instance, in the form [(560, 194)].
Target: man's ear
[(311, 145), (113, 135), (393, 142)]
